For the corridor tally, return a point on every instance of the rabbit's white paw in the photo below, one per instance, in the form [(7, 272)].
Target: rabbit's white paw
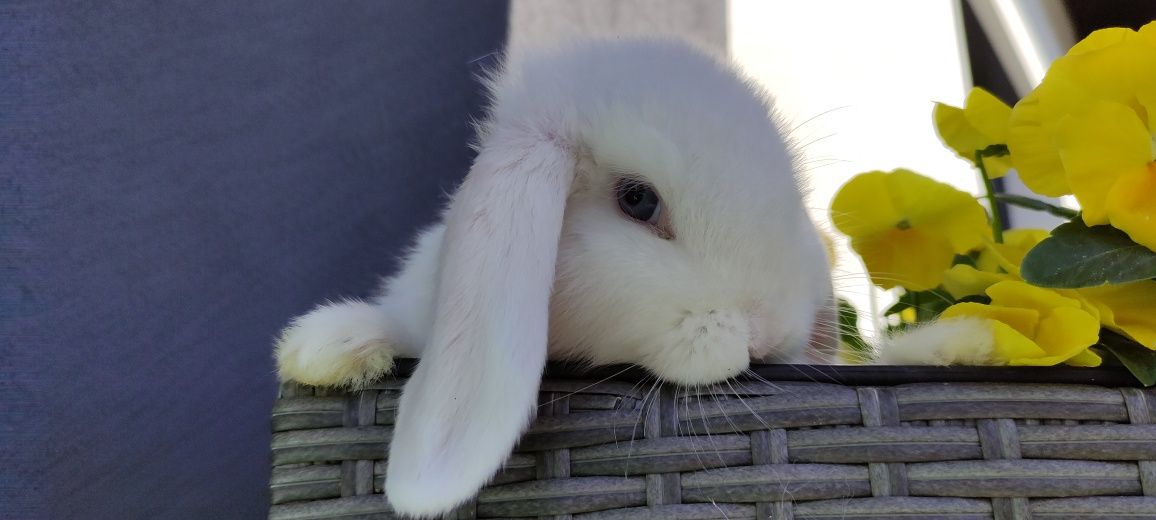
[(341, 344)]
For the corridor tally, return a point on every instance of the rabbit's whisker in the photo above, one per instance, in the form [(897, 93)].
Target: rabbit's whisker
[(644, 411), (742, 401), (814, 117), (591, 385)]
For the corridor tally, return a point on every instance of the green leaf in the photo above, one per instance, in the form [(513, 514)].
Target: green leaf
[(1080, 256), (849, 327), (1140, 361)]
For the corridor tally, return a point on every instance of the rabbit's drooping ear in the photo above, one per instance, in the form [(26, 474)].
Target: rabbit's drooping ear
[(475, 390)]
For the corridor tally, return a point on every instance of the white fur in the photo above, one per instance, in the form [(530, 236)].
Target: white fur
[(954, 341), (535, 258), (353, 342), (476, 387), (342, 344)]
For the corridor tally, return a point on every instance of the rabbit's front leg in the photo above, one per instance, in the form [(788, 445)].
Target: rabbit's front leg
[(353, 342), (343, 344)]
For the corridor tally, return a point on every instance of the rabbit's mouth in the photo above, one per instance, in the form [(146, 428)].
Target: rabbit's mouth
[(703, 348)]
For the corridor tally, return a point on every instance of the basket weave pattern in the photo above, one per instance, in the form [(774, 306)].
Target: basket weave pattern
[(613, 449)]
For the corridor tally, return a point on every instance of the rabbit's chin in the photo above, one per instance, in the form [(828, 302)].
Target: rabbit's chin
[(704, 348)]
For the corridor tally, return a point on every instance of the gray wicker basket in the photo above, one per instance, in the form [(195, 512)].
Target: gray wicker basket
[(804, 448)]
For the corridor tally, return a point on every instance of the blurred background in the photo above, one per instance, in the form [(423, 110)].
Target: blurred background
[(177, 181)]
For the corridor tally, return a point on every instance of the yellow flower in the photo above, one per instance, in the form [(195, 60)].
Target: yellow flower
[(907, 227), (1114, 65), (982, 122), (1089, 129), (1132, 204), (1110, 160), (1010, 254), (995, 263), (1034, 326), (1129, 309), (964, 280)]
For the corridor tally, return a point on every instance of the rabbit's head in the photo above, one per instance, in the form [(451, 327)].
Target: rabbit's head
[(638, 198)]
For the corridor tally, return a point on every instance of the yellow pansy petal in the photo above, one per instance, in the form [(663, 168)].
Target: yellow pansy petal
[(1129, 309), (1110, 64), (966, 227), (955, 131), (967, 309), (1017, 243), (1032, 152), (849, 208), (1147, 99), (1086, 358), (1015, 348), (1064, 328), (1103, 311), (987, 114), (1100, 39), (1096, 148), (931, 204), (1010, 254), (906, 227), (1036, 333), (993, 260), (1149, 30), (965, 280), (921, 196), (909, 257), (1023, 320), (1086, 305), (1044, 361), (1132, 205), (1115, 65), (1066, 331), (1146, 94), (981, 123), (1014, 293), (1138, 332)]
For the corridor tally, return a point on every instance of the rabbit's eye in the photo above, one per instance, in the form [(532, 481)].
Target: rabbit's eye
[(638, 201)]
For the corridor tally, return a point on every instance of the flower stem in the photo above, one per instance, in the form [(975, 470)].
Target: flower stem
[(1038, 205), (996, 219)]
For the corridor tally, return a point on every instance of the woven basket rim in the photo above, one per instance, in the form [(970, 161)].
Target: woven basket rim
[(861, 375)]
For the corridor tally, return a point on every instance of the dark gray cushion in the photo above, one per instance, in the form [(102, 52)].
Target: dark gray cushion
[(176, 183)]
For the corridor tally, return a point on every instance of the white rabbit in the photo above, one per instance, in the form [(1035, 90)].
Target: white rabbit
[(631, 202)]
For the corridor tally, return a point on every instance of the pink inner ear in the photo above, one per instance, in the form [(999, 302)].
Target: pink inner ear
[(823, 346)]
